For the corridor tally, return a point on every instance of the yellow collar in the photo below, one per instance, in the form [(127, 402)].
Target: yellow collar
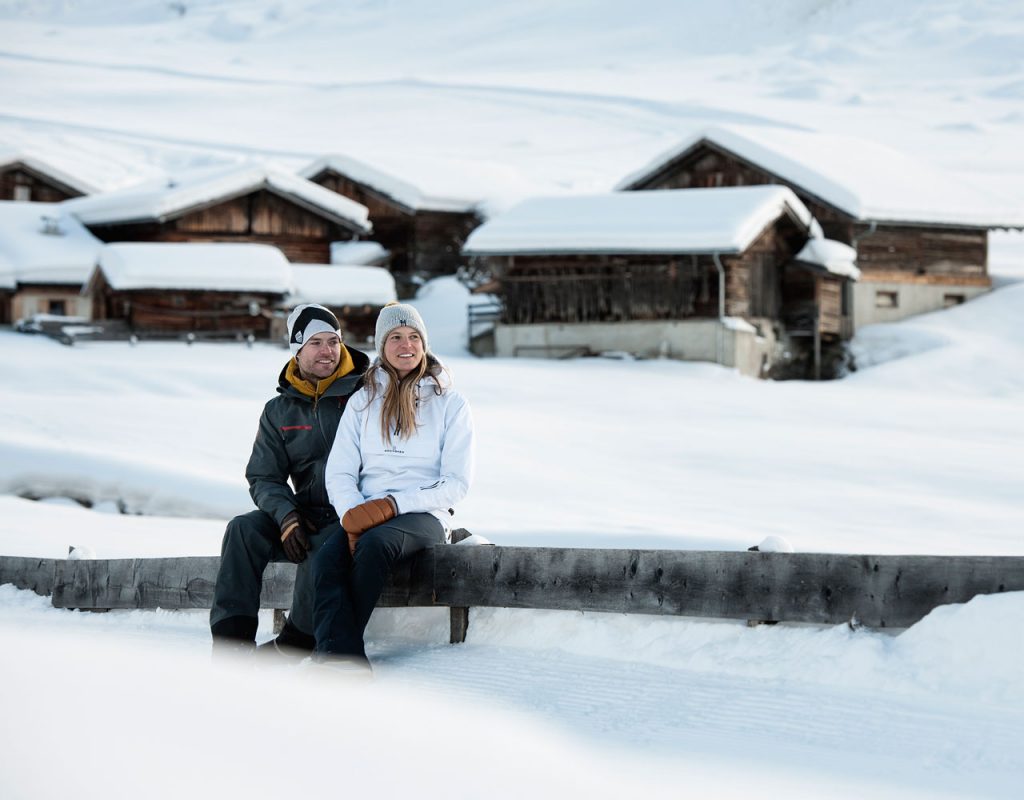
[(315, 390)]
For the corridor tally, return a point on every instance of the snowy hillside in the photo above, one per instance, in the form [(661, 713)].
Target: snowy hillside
[(501, 101)]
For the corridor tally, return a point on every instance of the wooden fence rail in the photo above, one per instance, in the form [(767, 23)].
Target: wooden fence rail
[(825, 588)]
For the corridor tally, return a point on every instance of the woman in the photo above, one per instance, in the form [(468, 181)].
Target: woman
[(402, 459)]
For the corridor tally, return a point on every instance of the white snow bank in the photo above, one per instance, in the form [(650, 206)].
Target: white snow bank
[(120, 685), (961, 651), (973, 348)]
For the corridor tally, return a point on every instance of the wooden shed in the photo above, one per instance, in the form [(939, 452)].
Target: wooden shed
[(259, 205), (706, 274), (28, 178), (45, 256), (424, 233), (159, 288), (920, 236)]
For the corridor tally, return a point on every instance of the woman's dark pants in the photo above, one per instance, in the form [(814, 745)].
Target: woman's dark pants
[(346, 588)]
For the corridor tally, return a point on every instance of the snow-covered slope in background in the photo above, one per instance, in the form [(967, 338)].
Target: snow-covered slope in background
[(500, 101)]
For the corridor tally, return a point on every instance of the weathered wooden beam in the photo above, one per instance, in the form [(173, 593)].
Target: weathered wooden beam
[(34, 574), (879, 591)]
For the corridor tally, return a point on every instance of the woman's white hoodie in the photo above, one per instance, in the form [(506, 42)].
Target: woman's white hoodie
[(431, 471)]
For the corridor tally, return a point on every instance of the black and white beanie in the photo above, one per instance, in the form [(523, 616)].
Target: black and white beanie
[(307, 321), (395, 315)]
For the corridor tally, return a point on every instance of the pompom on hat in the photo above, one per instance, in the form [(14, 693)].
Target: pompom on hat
[(397, 315), (306, 321)]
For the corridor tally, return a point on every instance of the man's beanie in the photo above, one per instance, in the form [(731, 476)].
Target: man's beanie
[(308, 320), (395, 315)]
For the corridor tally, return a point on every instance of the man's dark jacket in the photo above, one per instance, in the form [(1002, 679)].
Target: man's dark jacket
[(294, 439)]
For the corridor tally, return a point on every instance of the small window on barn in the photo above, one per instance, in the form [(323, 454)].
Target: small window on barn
[(177, 301), (58, 307), (887, 300), (949, 300), (22, 193)]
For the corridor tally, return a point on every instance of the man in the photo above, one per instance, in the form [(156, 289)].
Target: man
[(295, 435)]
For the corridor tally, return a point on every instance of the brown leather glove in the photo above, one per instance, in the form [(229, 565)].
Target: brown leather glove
[(365, 516), (295, 537)]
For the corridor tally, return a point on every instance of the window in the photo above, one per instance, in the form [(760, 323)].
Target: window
[(22, 193), (887, 300), (949, 300), (58, 307)]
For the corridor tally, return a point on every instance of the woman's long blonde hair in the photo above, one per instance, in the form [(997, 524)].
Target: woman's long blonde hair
[(398, 413)]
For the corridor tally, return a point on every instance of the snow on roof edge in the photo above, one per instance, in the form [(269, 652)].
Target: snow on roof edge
[(47, 168), (402, 192)]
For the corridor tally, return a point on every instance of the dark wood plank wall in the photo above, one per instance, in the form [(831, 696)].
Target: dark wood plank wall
[(421, 241), (439, 236), (6, 299), (897, 250), (605, 288), (182, 311), (260, 217), (830, 304), (43, 188), (393, 223)]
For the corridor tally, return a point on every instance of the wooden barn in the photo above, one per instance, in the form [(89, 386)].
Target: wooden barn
[(354, 293), (30, 179), (710, 275), (259, 205), (424, 234), (169, 289), (45, 256), (920, 236)]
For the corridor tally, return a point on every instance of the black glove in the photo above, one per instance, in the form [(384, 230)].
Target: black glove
[(295, 537)]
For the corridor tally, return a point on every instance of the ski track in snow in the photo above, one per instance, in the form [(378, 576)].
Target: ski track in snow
[(610, 704), (669, 710)]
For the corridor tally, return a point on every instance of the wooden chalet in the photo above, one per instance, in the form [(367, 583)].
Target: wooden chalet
[(170, 289), (257, 205), (708, 274), (45, 256), (355, 293), (921, 238), (424, 234), (29, 179)]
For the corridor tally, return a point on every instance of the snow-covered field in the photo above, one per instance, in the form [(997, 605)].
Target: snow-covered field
[(920, 451)]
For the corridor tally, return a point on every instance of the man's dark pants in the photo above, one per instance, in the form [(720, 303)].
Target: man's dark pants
[(251, 542), (348, 587)]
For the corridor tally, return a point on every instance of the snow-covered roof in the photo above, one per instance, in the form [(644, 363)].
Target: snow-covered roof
[(402, 192), (865, 179), (725, 220), (830, 255), (218, 267), (166, 199), (8, 275), (46, 167), (65, 255), (334, 285), (365, 253)]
